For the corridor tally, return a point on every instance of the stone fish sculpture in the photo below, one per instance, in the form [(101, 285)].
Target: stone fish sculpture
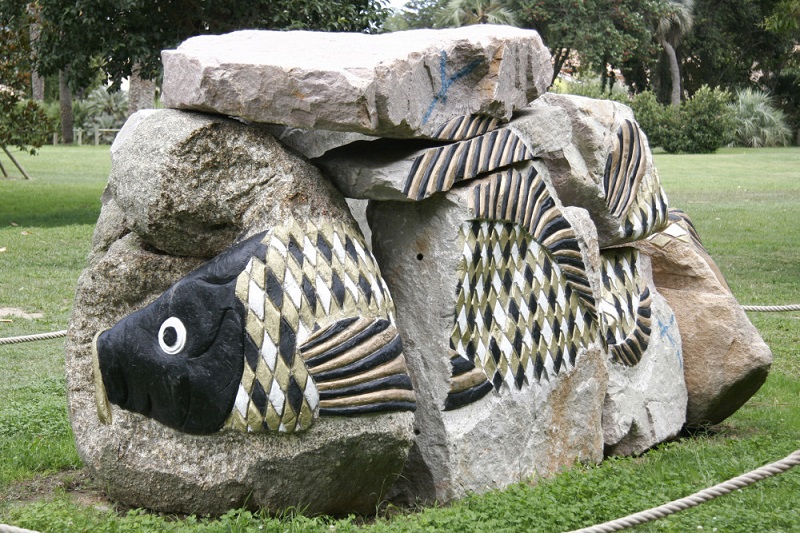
[(261, 338)]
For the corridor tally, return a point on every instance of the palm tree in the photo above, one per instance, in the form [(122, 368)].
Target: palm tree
[(669, 33), (467, 12)]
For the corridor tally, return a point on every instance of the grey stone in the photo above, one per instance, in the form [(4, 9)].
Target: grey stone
[(189, 184), (646, 403), (575, 137), (725, 359), (181, 165), (402, 84), (358, 208), (374, 171), (313, 143), (506, 436)]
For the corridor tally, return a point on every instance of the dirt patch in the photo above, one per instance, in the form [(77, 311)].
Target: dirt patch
[(19, 313), (76, 483)]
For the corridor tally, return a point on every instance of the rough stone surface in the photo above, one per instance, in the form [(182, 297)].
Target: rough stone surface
[(504, 437), (379, 170), (402, 84), (189, 183), (374, 171), (358, 208), (725, 359), (574, 136), (646, 403), (313, 143), (339, 465)]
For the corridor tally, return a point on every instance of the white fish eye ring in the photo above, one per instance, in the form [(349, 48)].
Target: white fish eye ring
[(172, 335)]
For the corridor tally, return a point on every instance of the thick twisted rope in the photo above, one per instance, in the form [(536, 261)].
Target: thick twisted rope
[(63, 333), (773, 308), (697, 498), (32, 338), (13, 529)]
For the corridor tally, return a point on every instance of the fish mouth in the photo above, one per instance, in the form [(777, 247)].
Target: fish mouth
[(100, 393)]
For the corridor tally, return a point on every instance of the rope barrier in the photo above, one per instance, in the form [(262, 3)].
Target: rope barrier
[(63, 333), (697, 498), (771, 308), (12, 529), (32, 338)]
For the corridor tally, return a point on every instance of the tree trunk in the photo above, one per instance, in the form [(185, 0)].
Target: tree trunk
[(559, 58), (674, 74), (141, 93), (37, 82), (65, 102)]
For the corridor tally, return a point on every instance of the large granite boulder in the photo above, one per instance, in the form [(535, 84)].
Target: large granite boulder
[(502, 344), (260, 389), (725, 359), (402, 84)]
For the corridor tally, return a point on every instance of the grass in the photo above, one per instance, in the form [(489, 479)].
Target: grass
[(746, 206)]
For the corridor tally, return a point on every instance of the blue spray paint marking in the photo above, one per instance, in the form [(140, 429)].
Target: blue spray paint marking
[(441, 96), (664, 330)]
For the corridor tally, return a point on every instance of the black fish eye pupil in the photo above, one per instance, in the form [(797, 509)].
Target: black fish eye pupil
[(170, 336)]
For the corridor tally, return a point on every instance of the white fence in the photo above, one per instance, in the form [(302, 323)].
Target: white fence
[(98, 134)]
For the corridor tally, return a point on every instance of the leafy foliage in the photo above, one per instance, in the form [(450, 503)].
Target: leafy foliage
[(600, 32), (416, 14), (467, 12), (590, 88), (731, 46), (702, 124), (650, 114), (23, 122), (758, 122)]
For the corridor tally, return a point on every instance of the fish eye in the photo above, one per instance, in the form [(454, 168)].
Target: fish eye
[(172, 335)]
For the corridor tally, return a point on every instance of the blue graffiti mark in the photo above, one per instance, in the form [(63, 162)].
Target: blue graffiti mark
[(664, 331), (441, 96)]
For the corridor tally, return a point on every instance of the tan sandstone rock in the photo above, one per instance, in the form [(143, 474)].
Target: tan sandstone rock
[(725, 359)]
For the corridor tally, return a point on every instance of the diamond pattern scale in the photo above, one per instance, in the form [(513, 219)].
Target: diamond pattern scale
[(517, 319), (624, 310), (313, 281)]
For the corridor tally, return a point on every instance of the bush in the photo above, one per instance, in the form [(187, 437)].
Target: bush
[(758, 122), (704, 123), (591, 88), (651, 116), (701, 124)]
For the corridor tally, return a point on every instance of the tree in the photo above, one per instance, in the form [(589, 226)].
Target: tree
[(416, 14), (133, 32), (671, 28), (602, 34), (23, 123), (733, 46), (785, 18), (467, 12)]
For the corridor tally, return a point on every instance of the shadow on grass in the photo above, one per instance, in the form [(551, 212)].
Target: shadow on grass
[(67, 217)]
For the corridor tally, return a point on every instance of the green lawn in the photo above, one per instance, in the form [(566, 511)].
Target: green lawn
[(746, 206)]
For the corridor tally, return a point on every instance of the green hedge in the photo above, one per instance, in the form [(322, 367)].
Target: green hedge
[(701, 124)]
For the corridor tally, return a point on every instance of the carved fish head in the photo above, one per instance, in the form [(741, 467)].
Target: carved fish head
[(179, 360)]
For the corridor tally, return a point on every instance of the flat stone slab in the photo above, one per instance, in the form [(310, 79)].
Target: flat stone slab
[(403, 84)]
